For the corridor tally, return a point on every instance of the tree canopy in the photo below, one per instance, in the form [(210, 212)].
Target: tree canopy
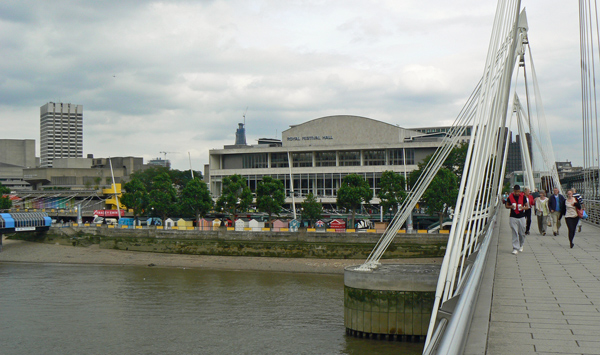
[(162, 196), (179, 178), (5, 202), (353, 192), (441, 194), (270, 196), (391, 190), (235, 196), (443, 190), (195, 199), (135, 196), (455, 162), (311, 208)]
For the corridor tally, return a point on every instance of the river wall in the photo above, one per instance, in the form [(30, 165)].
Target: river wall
[(270, 244)]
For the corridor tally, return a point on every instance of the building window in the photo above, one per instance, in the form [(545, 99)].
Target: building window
[(301, 160), (279, 160), (374, 157), (255, 161), (350, 158), (325, 159), (396, 156)]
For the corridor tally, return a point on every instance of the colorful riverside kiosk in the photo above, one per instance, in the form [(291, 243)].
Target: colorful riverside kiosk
[(392, 302)]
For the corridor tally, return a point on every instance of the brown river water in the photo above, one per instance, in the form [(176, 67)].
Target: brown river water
[(87, 309)]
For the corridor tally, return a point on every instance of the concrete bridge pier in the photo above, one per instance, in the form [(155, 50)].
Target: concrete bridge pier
[(393, 302)]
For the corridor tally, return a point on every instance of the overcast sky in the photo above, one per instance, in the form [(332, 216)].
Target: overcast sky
[(177, 76)]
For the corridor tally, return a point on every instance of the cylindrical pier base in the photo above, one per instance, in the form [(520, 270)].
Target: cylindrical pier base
[(393, 302)]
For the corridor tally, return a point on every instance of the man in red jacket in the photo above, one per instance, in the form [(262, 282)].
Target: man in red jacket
[(517, 203)]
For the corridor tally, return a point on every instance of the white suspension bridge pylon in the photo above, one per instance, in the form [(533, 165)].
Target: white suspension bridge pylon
[(478, 196)]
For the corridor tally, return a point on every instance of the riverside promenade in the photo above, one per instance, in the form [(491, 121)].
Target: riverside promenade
[(545, 300)]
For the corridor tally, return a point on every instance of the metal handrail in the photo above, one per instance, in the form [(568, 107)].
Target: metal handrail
[(451, 332)]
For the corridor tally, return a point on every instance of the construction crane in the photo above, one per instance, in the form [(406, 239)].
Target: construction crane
[(165, 153)]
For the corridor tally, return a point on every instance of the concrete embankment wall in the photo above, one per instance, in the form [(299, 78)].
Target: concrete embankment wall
[(272, 244)]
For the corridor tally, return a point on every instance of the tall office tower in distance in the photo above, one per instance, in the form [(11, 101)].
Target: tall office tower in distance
[(61, 132)]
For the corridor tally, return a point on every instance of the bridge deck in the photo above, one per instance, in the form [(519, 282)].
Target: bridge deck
[(545, 300)]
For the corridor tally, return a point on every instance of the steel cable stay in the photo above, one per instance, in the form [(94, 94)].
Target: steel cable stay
[(477, 201), (542, 134), (493, 114), (589, 45)]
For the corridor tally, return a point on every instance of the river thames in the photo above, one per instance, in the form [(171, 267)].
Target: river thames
[(87, 309)]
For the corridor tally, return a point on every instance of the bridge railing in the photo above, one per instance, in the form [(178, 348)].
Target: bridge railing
[(592, 208), (455, 315)]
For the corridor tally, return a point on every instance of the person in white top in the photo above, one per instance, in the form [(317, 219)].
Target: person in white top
[(571, 216), (542, 212)]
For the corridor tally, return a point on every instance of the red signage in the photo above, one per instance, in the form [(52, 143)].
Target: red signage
[(108, 213), (338, 224)]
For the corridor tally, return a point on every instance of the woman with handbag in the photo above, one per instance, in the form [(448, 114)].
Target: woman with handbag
[(572, 215), (542, 212)]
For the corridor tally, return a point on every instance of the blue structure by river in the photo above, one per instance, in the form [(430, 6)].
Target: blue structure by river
[(82, 309)]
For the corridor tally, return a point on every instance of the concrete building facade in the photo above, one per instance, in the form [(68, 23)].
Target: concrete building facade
[(20, 152), (83, 173), (323, 151), (61, 132), (16, 155)]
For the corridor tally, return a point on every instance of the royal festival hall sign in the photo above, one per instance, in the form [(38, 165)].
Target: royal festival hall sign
[(309, 138)]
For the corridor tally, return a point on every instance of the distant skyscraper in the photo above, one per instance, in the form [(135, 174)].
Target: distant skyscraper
[(61, 132), (240, 135)]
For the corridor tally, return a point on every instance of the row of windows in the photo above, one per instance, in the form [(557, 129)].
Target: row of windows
[(322, 159), (321, 185)]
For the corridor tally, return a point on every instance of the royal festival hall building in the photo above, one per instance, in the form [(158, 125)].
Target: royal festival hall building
[(323, 151)]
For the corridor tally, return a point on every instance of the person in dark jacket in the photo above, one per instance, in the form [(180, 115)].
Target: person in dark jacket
[(557, 207)]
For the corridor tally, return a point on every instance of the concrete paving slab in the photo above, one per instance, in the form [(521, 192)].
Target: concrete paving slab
[(545, 300)]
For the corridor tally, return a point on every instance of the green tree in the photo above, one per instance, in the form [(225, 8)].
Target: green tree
[(391, 190), (181, 178), (441, 193), (311, 209), (195, 198), (162, 196), (353, 192), (235, 196), (455, 162), (135, 196), (147, 176), (5, 202), (270, 196)]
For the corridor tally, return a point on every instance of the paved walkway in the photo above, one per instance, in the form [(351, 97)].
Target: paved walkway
[(546, 300)]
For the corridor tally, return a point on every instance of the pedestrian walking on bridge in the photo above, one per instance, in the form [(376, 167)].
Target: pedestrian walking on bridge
[(542, 212), (571, 216), (579, 199), (529, 198), (517, 203), (557, 209)]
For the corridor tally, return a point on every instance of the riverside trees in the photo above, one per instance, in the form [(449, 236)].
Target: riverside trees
[(195, 198), (353, 192), (392, 191), (311, 209), (236, 195), (160, 191), (270, 196), (443, 190), (5, 202)]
